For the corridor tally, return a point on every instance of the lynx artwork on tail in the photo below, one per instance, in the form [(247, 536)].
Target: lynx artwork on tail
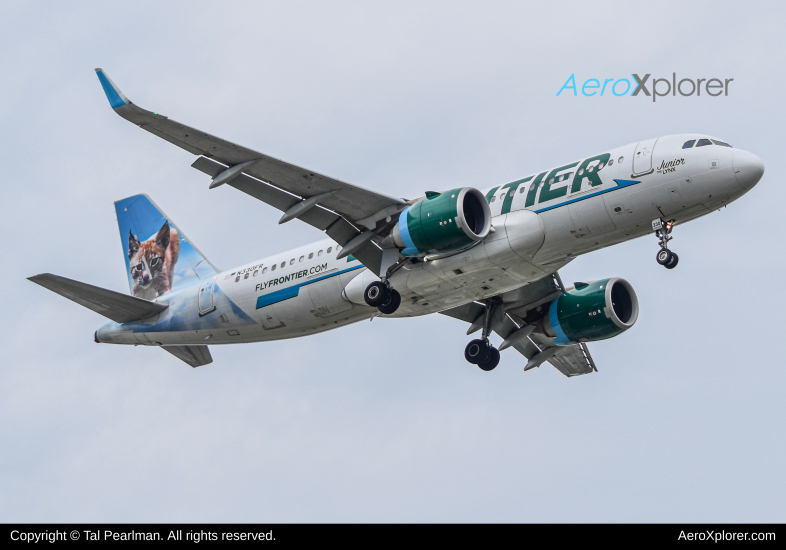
[(153, 262)]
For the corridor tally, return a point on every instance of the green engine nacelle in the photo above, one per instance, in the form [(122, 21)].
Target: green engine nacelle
[(443, 222), (595, 311)]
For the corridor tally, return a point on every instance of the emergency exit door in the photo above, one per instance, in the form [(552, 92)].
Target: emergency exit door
[(205, 298), (642, 157)]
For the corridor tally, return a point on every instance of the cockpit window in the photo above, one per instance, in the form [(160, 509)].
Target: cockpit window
[(688, 144), (721, 143), (703, 142)]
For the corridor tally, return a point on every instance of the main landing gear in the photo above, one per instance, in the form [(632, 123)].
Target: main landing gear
[(665, 257), (480, 352), (381, 296)]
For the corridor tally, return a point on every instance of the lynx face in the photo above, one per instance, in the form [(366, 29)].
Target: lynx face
[(152, 262)]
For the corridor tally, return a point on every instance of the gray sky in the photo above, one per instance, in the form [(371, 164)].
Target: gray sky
[(384, 421)]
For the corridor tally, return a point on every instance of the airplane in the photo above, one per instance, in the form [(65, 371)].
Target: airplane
[(489, 258)]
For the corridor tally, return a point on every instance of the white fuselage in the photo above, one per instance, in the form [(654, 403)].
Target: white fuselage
[(536, 232)]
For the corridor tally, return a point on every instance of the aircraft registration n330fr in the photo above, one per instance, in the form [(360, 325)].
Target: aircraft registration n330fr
[(487, 257)]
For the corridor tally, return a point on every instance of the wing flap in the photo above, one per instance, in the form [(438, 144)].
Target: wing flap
[(334, 225), (120, 308), (193, 356), (574, 360)]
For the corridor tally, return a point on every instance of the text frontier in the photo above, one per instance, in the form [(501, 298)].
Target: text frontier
[(686, 87)]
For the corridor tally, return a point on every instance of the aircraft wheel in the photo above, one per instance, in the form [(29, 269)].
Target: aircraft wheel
[(390, 303), (673, 263), (664, 256), (491, 361), (376, 293), (476, 352)]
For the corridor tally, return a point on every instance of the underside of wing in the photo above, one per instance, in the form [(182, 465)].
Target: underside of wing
[(508, 317)]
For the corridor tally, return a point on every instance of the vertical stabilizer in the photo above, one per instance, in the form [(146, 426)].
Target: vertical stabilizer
[(159, 257)]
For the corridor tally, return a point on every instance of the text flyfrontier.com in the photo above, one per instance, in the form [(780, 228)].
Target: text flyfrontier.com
[(127, 536)]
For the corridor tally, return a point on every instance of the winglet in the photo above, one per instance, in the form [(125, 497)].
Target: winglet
[(113, 94)]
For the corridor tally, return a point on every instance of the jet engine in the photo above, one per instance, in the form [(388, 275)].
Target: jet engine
[(443, 222), (592, 311)]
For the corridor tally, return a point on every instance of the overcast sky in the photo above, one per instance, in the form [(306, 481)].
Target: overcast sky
[(384, 421)]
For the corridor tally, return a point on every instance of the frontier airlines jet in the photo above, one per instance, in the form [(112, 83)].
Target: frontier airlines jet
[(486, 257)]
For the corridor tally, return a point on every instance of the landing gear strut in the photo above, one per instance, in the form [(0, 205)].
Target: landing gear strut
[(480, 352), (665, 257), (381, 296)]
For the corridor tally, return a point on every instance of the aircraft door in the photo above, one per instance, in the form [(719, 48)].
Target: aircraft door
[(642, 157), (205, 297)]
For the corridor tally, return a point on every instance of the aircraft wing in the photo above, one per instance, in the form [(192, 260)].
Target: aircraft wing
[(344, 211), (507, 319)]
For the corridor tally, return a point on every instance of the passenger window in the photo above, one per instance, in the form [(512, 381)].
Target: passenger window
[(264, 270), (581, 171), (521, 190), (301, 258), (292, 261), (611, 161), (237, 278), (246, 275), (274, 267), (703, 142), (256, 272), (319, 253), (600, 166), (721, 143), (283, 264), (620, 159), (493, 198), (551, 181), (688, 144), (330, 249), (310, 255)]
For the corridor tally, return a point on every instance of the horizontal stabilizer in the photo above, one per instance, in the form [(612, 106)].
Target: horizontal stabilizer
[(121, 308), (195, 356)]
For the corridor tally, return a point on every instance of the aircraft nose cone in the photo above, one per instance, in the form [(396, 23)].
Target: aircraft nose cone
[(748, 168)]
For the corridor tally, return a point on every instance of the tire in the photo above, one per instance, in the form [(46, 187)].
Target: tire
[(491, 361), (390, 303), (663, 256), (673, 263), (477, 351), (375, 293)]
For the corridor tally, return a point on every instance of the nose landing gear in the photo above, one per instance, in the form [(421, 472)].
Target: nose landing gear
[(665, 257), (480, 352)]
